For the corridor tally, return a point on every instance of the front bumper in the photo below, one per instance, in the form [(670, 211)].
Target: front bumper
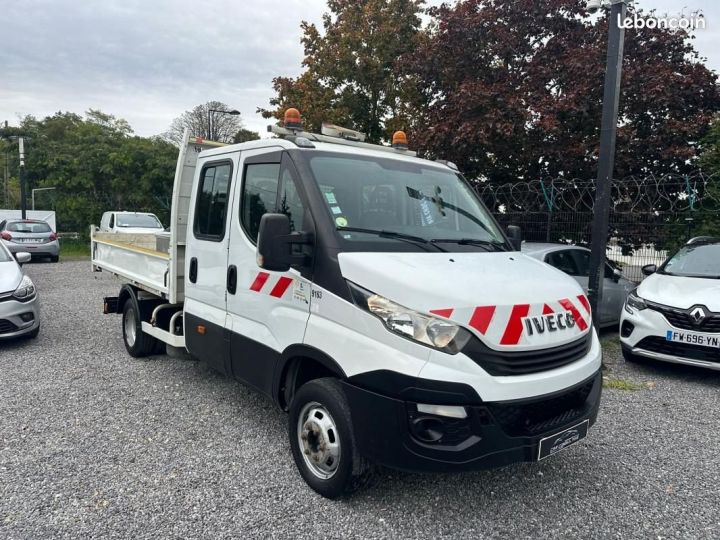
[(493, 434), (643, 333), (49, 249), (18, 318)]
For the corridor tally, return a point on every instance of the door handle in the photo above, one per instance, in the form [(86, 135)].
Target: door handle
[(193, 270), (232, 279)]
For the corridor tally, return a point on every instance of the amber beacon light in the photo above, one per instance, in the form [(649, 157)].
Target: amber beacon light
[(399, 140), (293, 119)]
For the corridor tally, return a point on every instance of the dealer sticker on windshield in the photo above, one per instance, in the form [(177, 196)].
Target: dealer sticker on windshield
[(692, 338)]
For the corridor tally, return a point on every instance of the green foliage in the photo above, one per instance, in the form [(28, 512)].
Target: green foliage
[(245, 135), (351, 75), (96, 164)]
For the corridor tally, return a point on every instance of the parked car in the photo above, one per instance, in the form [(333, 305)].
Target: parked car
[(674, 315), (19, 307), (575, 261), (130, 222), (31, 236)]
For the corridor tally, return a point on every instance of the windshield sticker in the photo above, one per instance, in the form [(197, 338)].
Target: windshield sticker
[(426, 213), (340, 221), (330, 196), (336, 210)]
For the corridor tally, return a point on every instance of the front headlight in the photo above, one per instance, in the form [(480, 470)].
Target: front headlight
[(428, 330), (635, 302), (25, 291)]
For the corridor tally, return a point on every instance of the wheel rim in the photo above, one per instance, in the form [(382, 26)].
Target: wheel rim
[(130, 327), (319, 440)]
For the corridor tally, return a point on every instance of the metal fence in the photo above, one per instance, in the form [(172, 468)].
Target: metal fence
[(650, 216)]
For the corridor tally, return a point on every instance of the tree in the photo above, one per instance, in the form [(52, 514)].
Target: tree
[(512, 89), (244, 135), (351, 75), (96, 164), (205, 121)]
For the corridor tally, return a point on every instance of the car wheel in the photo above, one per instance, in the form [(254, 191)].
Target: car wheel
[(322, 440), (55, 258), (630, 357), (137, 342)]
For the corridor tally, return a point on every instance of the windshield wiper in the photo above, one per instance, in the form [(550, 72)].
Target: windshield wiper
[(393, 234), (497, 246)]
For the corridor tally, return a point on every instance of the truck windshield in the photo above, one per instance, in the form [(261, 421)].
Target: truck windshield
[(145, 221), (394, 200)]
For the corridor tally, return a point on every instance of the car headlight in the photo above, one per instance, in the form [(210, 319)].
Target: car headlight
[(635, 302), (434, 332), (25, 291)]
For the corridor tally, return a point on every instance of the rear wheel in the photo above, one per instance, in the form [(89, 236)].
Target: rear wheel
[(322, 440), (137, 343)]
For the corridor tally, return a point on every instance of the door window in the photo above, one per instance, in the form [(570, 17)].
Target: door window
[(563, 260), (259, 195), (289, 202), (211, 206)]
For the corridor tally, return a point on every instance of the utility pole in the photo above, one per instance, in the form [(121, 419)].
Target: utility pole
[(23, 195), (606, 161)]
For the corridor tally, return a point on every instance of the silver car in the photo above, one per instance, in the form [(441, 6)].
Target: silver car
[(575, 261), (19, 306), (31, 236)]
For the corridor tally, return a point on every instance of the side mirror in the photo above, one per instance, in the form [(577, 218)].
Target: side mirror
[(515, 235), (649, 269), (23, 257), (274, 244)]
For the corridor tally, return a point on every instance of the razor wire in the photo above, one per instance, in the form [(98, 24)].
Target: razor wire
[(669, 193)]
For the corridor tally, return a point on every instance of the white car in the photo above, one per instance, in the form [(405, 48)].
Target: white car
[(130, 223), (19, 305), (674, 315)]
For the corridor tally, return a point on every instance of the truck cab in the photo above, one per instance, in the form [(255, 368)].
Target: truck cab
[(371, 295)]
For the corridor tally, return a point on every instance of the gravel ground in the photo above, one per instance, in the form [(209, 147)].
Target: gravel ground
[(96, 444)]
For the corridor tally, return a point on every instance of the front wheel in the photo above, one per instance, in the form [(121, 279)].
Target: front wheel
[(137, 343), (322, 440)]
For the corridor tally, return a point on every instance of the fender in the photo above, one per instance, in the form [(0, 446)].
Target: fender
[(300, 350)]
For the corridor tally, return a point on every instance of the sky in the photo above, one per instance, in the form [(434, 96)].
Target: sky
[(147, 61)]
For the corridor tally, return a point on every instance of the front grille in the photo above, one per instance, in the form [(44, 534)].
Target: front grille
[(522, 363), (6, 326), (681, 318), (682, 350), (544, 414)]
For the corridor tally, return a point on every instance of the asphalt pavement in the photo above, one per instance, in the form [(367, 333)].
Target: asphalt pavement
[(96, 444)]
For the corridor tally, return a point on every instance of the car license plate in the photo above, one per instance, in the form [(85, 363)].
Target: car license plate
[(692, 338), (554, 443), (31, 240)]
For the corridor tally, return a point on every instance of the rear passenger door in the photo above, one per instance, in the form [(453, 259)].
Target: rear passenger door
[(206, 262), (267, 311)]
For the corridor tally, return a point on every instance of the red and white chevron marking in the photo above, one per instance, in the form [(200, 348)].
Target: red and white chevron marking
[(275, 288), (506, 322)]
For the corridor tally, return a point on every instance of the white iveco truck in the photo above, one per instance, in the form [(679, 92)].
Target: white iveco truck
[(368, 293)]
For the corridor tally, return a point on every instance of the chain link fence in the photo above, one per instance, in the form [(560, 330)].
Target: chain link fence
[(650, 216)]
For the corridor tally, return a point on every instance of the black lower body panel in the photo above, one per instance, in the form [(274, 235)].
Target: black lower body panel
[(391, 431)]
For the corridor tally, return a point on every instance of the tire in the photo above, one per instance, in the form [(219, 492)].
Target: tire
[(320, 414), (137, 343), (630, 357), (55, 258)]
